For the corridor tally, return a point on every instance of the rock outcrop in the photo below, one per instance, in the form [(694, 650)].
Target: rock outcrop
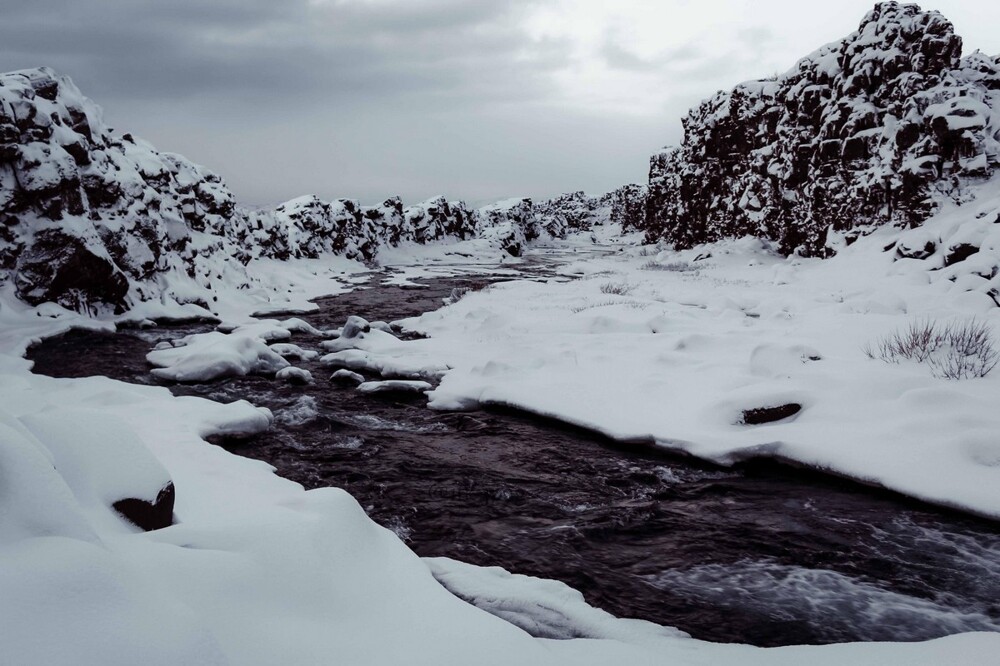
[(880, 127), (577, 211), (85, 213), (93, 220)]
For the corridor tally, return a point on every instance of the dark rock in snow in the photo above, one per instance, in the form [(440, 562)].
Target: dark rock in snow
[(354, 327), (762, 415), (903, 251), (960, 252), (61, 268), (147, 515)]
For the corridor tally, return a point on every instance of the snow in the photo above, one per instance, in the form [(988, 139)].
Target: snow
[(676, 357), (209, 356), (294, 375), (100, 458), (346, 376), (232, 350), (395, 386), (257, 570), (543, 608), (288, 350)]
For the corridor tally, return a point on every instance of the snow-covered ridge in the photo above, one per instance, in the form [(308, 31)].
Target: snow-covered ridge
[(93, 219), (880, 127)]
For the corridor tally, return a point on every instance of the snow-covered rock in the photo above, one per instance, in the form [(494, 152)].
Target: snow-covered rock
[(879, 127), (395, 386), (94, 220), (292, 375), (347, 377), (577, 211), (88, 215), (288, 350), (214, 355)]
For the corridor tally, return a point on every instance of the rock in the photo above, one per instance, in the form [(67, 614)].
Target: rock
[(354, 328), (147, 515), (104, 463), (90, 218), (762, 415), (959, 252), (395, 386), (294, 376), (880, 127), (61, 268), (345, 376), (904, 251)]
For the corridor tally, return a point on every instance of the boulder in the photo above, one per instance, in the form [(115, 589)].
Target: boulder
[(762, 415), (149, 515), (64, 269)]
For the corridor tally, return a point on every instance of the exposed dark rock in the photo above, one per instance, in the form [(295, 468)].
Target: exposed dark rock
[(763, 415), (903, 251), (63, 269), (959, 253), (147, 515)]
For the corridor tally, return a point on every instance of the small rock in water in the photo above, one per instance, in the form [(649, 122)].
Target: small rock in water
[(293, 375), (297, 325), (395, 386), (354, 327), (347, 377), (288, 350)]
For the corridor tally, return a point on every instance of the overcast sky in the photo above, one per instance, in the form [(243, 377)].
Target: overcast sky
[(474, 99)]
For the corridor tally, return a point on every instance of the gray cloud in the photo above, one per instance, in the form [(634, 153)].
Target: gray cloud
[(160, 49), (367, 98), (328, 90)]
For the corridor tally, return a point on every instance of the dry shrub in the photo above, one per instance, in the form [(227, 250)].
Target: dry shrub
[(675, 267), (617, 288), (961, 350)]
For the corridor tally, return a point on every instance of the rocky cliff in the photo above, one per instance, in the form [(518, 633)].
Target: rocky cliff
[(86, 214), (92, 220), (880, 127)]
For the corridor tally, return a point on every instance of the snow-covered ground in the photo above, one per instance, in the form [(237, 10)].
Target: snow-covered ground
[(674, 347), (257, 570)]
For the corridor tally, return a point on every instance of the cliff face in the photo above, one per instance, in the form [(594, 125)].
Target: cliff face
[(83, 212), (877, 128), (93, 220)]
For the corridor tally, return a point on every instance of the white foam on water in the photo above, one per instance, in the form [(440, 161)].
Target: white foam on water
[(836, 605), (372, 422), (300, 412)]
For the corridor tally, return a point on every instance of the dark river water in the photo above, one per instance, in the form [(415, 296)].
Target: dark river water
[(758, 554)]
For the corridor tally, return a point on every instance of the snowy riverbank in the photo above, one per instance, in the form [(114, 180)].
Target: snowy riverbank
[(675, 347), (258, 571)]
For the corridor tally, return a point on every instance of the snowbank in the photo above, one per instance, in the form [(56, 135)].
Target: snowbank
[(679, 348), (256, 570)]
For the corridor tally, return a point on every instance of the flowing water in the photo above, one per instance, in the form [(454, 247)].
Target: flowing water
[(759, 554)]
